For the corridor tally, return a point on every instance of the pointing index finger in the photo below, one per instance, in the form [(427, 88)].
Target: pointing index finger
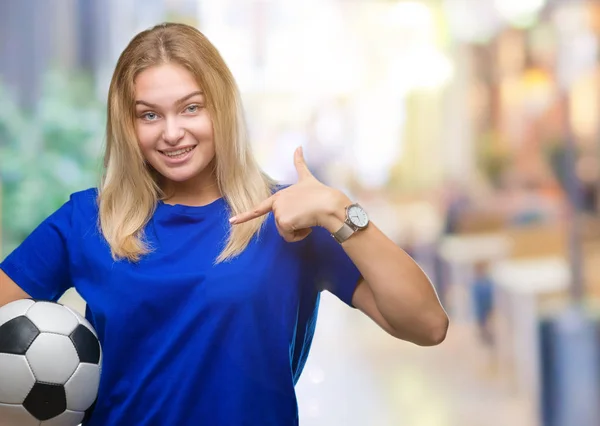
[(260, 210)]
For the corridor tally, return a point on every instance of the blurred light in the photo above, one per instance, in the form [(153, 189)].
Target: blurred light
[(423, 67), (409, 14), (426, 221), (409, 44), (313, 409), (472, 20), (539, 90), (378, 139), (316, 376), (330, 127), (314, 55), (519, 12), (570, 18), (577, 45), (310, 64), (413, 389), (584, 105)]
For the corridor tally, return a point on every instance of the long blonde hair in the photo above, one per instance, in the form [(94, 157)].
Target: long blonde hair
[(129, 191)]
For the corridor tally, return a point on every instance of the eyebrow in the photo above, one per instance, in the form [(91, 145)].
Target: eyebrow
[(177, 102)]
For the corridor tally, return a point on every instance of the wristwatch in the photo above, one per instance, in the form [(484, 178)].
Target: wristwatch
[(356, 220)]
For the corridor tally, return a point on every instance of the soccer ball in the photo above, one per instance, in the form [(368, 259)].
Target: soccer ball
[(50, 362)]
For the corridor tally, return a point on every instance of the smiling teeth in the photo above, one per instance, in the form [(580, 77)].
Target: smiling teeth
[(178, 152)]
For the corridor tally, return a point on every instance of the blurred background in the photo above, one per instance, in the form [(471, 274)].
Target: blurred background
[(469, 129)]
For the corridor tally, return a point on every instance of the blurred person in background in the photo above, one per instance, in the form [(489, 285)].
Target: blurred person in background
[(482, 293), (201, 275)]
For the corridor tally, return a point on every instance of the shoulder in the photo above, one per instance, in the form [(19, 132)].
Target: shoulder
[(86, 195), (84, 203)]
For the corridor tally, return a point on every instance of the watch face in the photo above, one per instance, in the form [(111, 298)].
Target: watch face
[(358, 216)]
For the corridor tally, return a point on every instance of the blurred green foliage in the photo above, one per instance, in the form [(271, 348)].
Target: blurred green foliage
[(48, 153)]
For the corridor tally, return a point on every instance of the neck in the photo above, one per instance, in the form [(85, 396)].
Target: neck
[(199, 191)]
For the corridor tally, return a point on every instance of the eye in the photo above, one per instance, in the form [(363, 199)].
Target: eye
[(149, 116), (192, 108)]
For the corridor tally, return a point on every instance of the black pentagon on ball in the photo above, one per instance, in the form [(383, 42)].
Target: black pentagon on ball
[(86, 345), (17, 335), (46, 401)]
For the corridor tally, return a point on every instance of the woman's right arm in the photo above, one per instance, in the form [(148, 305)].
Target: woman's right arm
[(39, 267), (9, 290)]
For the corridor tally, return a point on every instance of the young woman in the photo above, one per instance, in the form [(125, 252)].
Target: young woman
[(201, 275)]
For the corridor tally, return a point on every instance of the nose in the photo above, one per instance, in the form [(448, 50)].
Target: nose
[(173, 132)]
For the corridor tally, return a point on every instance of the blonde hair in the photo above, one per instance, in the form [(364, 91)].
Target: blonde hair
[(129, 190)]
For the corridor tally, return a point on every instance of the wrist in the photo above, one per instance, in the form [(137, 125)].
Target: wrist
[(333, 217)]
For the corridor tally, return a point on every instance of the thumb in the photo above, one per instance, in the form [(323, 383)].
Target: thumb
[(300, 164)]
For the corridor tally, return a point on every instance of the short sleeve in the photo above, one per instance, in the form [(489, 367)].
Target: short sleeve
[(335, 271), (40, 264)]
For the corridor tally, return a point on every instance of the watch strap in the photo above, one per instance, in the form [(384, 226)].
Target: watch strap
[(343, 233)]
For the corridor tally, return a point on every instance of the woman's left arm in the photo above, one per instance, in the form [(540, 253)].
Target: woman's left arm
[(393, 290)]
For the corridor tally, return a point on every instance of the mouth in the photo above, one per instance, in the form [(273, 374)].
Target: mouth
[(177, 154)]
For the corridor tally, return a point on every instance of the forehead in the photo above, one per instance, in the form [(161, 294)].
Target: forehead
[(164, 83)]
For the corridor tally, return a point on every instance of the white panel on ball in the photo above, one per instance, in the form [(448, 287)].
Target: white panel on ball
[(12, 415), (68, 418), (82, 320), (52, 318), (15, 370), (14, 309), (82, 387), (53, 358)]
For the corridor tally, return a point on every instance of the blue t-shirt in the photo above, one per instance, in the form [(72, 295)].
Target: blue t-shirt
[(186, 342)]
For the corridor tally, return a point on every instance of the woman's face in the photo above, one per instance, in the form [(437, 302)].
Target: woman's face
[(173, 126)]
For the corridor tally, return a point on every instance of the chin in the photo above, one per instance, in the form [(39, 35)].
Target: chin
[(180, 177)]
